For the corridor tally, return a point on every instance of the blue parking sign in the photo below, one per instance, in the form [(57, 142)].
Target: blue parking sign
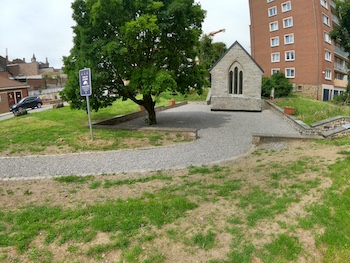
[(85, 82)]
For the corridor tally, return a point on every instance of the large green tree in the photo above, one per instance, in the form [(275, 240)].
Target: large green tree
[(341, 34), (136, 49)]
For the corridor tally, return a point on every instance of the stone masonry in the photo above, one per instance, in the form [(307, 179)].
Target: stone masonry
[(247, 96)]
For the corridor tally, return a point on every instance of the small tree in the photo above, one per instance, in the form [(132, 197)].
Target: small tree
[(134, 47), (279, 82)]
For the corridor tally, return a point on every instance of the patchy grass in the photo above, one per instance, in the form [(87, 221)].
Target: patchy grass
[(291, 206), (64, 130)]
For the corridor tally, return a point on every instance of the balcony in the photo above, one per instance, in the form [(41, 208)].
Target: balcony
[(338, 51), (335, 19), (341, 68), (340, 83), (333, 4)]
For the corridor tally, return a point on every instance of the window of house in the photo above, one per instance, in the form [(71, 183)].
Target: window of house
[(328, 55), (327, 38), (274, 71), (272, 11), (275, 41), (275, 57), (269, 1), (274, 26), (288, 22), (325, 19), (236, 81), (0, 99), (290, 55), (324, 3), (290, 73), (328, 74), (230, 83), (289, 39), (287, 6)]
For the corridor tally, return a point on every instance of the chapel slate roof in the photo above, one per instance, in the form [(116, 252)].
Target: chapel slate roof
[(228, 50)]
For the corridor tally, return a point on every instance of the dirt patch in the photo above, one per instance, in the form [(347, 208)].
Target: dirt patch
[(223, 214)]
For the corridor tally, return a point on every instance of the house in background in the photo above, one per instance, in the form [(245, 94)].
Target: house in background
[(236, 81), (11, 92), (43, 80)]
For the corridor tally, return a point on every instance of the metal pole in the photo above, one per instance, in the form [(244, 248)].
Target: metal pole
[(90, 124)]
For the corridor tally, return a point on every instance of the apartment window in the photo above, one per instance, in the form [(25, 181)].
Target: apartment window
[(275, 57), (290, 55), (328, 74), (328, 55), (269, 1), (289, 39), (287, 6), (275, 71), (324, 3), (272, 11), (327, 38), (275, 41), (274, 26), (290, 73), (325, 19), (288, 22)]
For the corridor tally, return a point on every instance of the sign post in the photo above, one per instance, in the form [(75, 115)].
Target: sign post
[(86, 90)]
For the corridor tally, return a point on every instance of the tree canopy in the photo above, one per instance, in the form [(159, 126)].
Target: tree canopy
[(134, 47), (341, 34), (209, 52)]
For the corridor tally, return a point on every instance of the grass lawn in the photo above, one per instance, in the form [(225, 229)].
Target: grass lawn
[(64, 130), (309, 110), (284, 203)]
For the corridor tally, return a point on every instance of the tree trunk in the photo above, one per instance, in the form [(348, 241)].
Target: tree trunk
[(149, 104)]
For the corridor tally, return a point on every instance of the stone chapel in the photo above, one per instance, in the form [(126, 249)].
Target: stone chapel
[(236, 81)]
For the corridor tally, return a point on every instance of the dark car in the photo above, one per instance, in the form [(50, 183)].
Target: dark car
[(27, 102)]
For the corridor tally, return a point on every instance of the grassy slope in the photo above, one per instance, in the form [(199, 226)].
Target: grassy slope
[(310, 111)]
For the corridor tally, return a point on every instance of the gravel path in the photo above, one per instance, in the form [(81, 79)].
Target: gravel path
[(222, 136)]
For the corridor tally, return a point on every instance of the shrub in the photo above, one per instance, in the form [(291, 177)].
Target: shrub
[(279, 82), (344, 98)]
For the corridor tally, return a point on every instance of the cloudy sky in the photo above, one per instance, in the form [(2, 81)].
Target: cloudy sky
[(43, 27)]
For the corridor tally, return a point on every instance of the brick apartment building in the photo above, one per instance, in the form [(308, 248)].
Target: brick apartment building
[(292, 36)]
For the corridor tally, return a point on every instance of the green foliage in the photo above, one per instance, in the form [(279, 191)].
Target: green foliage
[(151, 44), (344, 98), (279, 82), (341, 31), (209, 52), (309, 110)]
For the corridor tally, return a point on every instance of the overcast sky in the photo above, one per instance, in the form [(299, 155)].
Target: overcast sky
[(43, 27)]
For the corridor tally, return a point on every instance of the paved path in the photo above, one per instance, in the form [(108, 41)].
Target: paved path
[(222, 136)]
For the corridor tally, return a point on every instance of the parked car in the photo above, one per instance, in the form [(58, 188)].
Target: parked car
[(25, 103)]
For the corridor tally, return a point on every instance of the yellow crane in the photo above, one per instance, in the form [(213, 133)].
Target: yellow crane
[(217, 32)]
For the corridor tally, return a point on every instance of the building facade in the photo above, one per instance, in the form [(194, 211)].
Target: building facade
[(236, 81), (292, 36)]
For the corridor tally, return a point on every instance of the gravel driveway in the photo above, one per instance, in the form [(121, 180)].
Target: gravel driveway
[(222, 136)]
